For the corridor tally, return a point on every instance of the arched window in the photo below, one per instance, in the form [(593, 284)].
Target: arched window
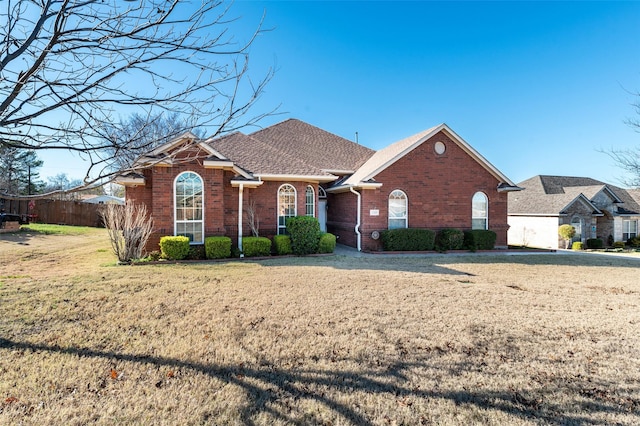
[(397, 209), (286, 206), (189, 203), (310, 201), (479, 211)]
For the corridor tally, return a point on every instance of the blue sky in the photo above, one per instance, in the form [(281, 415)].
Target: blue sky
[(535, 87)]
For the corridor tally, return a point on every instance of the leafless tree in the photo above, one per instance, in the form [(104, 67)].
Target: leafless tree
[(144, 133), (130, 227), (253, 218), (628, 159), (69, 68)]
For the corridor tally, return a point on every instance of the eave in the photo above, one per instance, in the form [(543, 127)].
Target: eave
[(303, 178), (130, 180), (346, 188), (504, 187), (235, 183)]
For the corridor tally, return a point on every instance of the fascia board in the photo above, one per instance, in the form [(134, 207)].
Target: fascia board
[(246, 183), (537, 214), (130, 181), (306, 178), (338, 172), (345, 188), (173, 142)]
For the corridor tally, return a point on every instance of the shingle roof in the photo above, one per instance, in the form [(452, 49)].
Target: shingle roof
[(292, 147), (258, 157), (550, 195)]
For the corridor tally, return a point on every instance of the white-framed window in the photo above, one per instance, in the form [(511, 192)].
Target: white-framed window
[(629, 229), (189, 207), (397, 209), (286, 206), (310, 201), (480, 211)]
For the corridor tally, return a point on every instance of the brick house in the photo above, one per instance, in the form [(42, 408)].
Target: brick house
[(433, 180), (594, 208)]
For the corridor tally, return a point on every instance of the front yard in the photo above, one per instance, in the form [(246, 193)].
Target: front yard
[(471, 339)]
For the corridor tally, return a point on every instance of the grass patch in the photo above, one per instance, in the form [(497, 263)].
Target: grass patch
[(321, 340), (47, 229)]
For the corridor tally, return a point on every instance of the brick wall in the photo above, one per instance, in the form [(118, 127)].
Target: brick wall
[(220, 201), (439, 190)]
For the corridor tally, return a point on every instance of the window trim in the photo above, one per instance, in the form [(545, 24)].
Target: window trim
[(485, 217), (313, 201), (627, 229), (406, 209), (176, 221), (282, 229)]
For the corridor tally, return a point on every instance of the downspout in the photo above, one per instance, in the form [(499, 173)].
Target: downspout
[(240, 189), (357, 227)]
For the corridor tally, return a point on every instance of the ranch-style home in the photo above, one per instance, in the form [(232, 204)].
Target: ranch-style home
[(594, 208), (433, 179)]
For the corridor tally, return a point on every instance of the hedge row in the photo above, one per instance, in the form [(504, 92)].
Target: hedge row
[(304, 237), (415, 239)]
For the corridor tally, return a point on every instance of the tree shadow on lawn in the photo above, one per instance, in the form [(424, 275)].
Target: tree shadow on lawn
[(18, 237), (269, 388), (395, 264), (438, 264)]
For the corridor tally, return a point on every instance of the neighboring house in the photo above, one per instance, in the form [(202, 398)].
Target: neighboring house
[(595, 209), (433, 180), (103, 199)]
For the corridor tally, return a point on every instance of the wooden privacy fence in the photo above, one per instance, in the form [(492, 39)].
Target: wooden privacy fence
[(55, 211)]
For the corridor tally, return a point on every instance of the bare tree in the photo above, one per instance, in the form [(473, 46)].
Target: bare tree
[(129, 229), (144, 133), (68, 67), (629, 161), (254, 219)]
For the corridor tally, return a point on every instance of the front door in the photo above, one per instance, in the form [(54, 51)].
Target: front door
[(322, 214)]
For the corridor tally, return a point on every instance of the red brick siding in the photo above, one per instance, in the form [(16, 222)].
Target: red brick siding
[(220, 201), (439, 190), (342, 216)]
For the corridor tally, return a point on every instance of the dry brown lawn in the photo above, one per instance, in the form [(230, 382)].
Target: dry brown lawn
[(536, 339)]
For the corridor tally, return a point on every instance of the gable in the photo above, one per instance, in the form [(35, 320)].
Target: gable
[(388, 156)]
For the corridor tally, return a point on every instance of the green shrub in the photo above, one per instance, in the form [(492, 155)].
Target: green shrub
[(634, 242), (479, 239), (618, 244), (449, 239), (407, 239), (174, 248), (256, 246), (282, 244), (327, 243), (595, 243), (217, 247), (577, 245), (305, 234), (610, 240)]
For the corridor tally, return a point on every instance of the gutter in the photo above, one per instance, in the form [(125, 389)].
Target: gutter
[(357, 227), (240, 211)]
